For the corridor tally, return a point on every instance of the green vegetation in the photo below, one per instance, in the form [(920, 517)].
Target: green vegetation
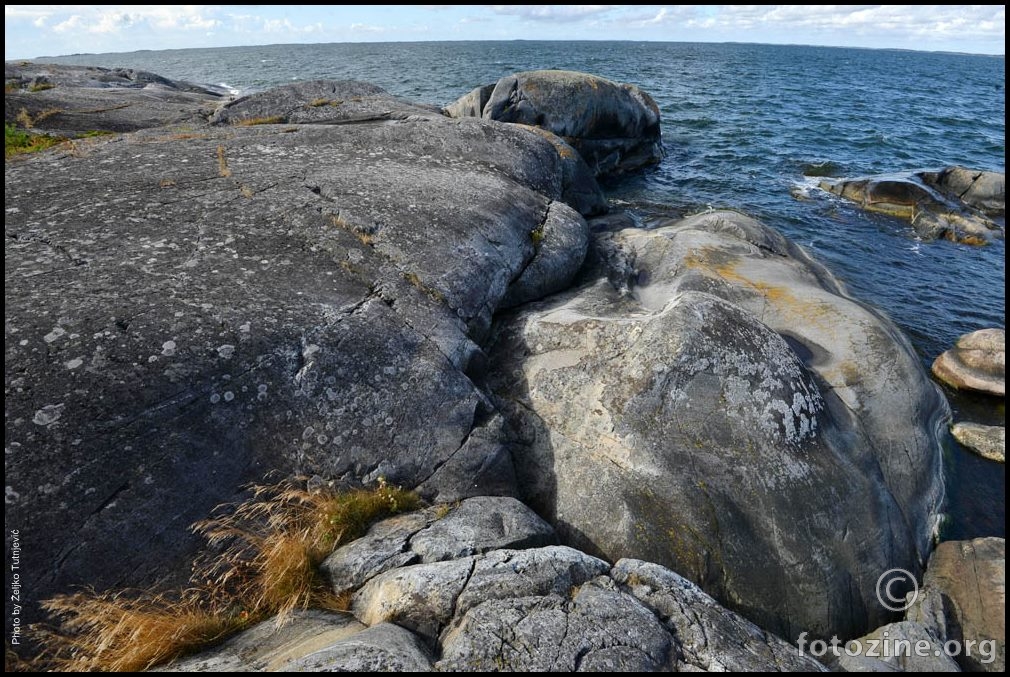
[(92, 133), (40, 86), (249, 122), (537, 235), (263, 560), (18, 141)]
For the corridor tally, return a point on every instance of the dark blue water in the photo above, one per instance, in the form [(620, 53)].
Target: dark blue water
[(743, 126)]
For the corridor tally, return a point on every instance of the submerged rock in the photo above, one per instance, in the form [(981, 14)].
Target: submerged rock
[(731, 412), (988, 441), (976, 362), (929, 202), (615, 127)]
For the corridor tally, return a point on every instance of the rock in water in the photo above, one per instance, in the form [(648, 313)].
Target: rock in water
[(928, 202), (733, 416), (988, 441), (985, 191), (615, 127), (976, 362)]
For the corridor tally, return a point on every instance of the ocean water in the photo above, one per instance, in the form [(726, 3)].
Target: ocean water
[(747, 127)]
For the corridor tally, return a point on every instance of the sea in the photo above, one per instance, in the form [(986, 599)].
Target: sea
[(749, 127)]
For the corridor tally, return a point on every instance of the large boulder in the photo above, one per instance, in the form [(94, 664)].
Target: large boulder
[(74, 100), (614, 126), (714, 402), (188, 310), (934, 214), (977, 362)]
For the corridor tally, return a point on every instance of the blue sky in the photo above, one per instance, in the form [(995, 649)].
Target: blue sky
[(46, 30)]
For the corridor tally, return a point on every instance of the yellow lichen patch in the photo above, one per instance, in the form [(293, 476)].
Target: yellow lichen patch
[(717, 264), (166, 183), (246, 191)]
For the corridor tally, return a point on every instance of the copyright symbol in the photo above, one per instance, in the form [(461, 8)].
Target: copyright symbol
[(892, 588)]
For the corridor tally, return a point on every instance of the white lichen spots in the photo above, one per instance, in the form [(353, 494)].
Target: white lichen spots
[(245, 328), (56, 333), (322, 439), (168, 348), (229, 396), (389, 371), (23, 342), (388, 420), (10, 496), (226, 351), (308, 433), (215, 398), (48, 414), (74, 363), (152, 358)]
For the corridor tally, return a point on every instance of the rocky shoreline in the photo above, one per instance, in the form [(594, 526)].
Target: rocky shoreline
[(324, 279)]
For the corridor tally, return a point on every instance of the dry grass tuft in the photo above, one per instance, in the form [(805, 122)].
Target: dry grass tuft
[(250, 122), (263, 561), (223, 170), (124, 632), (41, 86), (274, 543)]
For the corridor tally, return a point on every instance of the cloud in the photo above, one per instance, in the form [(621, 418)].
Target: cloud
[(116, 18), (555, 13), (367, 28)]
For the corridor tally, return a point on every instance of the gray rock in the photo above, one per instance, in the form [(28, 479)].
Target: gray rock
[(187, 311), (381, 648), (421, 597), (72, 100), (481, 524), (731, 414), (384, 547), (896, 647), (599, 628), (471, 104), (711, 638), (932, 214), (327, 102), (988, 441), (615, 127), (963, 598), (269, 648), (985, 191), (977, 362)]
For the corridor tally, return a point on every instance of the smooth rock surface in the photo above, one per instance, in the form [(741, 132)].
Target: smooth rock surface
[(988, 441), (188, 310), (615, 127), (381, 648), (268, 648), (731, 411), (976, 362)]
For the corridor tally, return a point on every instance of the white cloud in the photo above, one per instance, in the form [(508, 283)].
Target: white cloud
[(367, 28), (559, 13)]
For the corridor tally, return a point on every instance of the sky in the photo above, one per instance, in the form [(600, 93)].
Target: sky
[(50, 30)]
